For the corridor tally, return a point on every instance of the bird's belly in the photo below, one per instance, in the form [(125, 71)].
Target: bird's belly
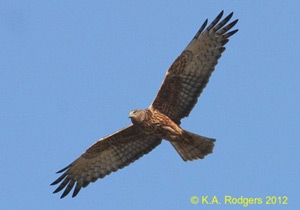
[(167, 132)]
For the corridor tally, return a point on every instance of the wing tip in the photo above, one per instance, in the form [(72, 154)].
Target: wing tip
[(216, 24), (219, 16), (201, 29), (76, 190), (62, 170)]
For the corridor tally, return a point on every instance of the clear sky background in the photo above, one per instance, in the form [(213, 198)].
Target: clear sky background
[(72, 70)]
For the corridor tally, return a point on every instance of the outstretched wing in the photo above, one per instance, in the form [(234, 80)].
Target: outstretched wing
[(105, 156), (190, 72)]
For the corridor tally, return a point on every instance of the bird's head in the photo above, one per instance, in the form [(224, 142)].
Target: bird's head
[(137, 115)]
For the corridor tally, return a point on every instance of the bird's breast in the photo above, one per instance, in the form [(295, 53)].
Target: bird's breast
[(161, 126)]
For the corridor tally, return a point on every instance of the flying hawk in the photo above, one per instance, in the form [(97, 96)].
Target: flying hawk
[(178, 94)]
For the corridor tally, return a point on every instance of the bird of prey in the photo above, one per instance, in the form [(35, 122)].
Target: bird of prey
[(178, 94)]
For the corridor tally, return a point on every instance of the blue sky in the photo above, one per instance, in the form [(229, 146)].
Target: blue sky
[(72, 70)]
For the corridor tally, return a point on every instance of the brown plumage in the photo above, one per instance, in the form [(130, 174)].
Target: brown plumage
[(178, 94), (189, 146)]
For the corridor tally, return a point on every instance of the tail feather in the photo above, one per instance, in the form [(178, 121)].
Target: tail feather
[(193, 146)]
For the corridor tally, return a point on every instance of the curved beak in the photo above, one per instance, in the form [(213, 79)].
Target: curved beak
[(130, 115)]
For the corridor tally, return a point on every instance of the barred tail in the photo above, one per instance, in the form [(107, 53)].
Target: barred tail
[(193, 146)]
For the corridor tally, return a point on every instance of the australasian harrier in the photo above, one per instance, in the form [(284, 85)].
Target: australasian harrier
[(178, 94)]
